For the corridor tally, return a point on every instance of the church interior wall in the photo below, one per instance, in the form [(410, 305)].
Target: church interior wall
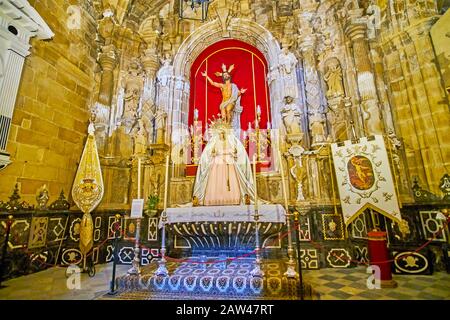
[(52, 107)]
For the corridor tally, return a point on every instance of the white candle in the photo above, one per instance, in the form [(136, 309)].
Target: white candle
[(195, 114), (254, 179), (283, 186), (166, 190), (139, 179)]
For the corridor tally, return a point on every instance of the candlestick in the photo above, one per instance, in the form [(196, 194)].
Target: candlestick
[(136, 264), (162, 269), (257, 271), (166, 190), (254, 181), (139, 179), (290, 273)]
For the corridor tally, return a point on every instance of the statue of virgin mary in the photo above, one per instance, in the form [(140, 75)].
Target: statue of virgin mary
[(224, 175)]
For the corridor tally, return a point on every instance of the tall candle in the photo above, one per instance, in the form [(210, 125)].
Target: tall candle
[(166, 190), (139, 179), (254, 179), (283, 186)]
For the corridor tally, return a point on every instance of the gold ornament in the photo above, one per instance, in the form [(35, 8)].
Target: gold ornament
[(404, 228), (87, 191)]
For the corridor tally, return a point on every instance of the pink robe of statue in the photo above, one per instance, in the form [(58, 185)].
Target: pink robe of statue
[(223, 185)]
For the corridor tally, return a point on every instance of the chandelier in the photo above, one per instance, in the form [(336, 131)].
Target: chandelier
[(194, 5)]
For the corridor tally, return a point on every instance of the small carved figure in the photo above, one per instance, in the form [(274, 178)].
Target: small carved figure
[(132, 84), (42, 197), (333, 78), (291, 116), (317, 127), (140, 139), (288, 61)]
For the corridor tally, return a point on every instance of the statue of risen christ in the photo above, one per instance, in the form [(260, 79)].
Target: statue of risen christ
[(230, 92)]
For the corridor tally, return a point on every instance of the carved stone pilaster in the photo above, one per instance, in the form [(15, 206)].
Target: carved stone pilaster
[(307, 41), (337, 116), (107, 60), (150, 63), (313, 90), (356, 31)]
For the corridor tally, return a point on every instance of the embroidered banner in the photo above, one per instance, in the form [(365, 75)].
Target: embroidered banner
[(364, 178)]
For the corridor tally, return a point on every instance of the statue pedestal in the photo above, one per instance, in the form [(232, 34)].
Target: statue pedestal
[(159, 152), (294, 138)]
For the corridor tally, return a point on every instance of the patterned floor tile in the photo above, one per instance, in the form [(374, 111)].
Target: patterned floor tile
[(352, 278), (371, 295), (438, 292), (339, 295), (351, 290), (429, 296), (328, 277), (323, 289), (335, 285), (412, 285), (397, 295), (345, 282)]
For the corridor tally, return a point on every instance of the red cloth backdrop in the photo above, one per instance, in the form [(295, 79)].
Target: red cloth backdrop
[(250, 70)]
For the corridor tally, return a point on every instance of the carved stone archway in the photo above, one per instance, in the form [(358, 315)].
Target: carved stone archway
[(177, 104)]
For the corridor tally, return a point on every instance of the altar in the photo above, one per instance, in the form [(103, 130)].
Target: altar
[(227, 230), (274, 213)]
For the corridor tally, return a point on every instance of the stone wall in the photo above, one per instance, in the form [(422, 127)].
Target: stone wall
[(50, 119), (419, 102)]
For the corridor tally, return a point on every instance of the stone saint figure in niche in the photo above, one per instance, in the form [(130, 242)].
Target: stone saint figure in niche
[(230, 92)]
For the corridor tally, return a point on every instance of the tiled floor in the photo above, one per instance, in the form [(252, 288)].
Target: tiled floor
[(51, 284), (351, 284), (334, 284)]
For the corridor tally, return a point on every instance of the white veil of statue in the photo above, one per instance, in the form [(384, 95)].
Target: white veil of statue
[(242, 166)]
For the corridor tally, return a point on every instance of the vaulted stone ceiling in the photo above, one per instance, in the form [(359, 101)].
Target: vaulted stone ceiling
[(139, 10), (129, 13)]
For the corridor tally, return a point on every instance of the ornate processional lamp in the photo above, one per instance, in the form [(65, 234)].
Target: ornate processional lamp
[(87, 190), (195, 5)]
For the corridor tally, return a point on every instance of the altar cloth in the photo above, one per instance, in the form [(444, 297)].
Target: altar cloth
[(274, 213)]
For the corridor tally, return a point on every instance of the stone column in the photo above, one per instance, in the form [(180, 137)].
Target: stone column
[(307, 41), (356, 32), (150, 62), (313, 90), (107, 60)]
